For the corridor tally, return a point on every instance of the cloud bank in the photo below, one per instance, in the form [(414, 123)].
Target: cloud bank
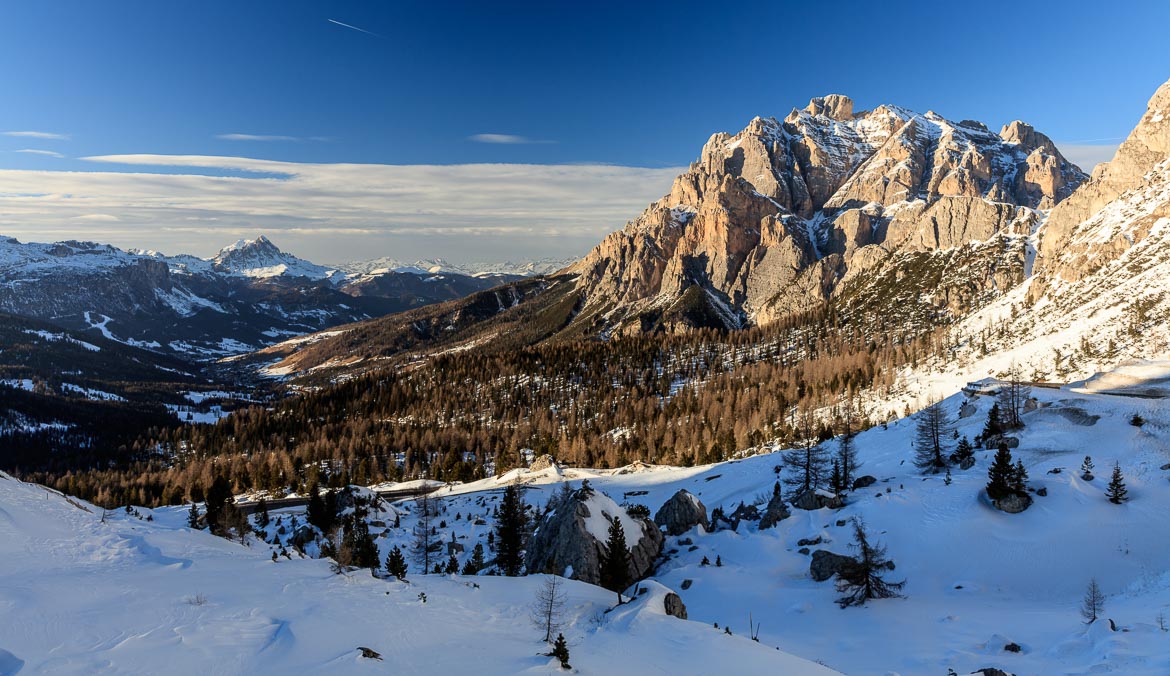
[(330, 212), (43, 135), (505, 139)]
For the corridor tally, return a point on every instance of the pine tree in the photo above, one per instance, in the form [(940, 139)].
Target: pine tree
[(994, 425), (1087, 469), (1116, 492), (836, 481), (396, 563), (193, 517), (1019, 478), (932, 429), (561, 651), (452, 565), (847, 458), (510, 531), (217, 499), (1094, 602), (1001, 474), (262, 517), (315, 512), (963, 452), (864, 581), (615, 560), (361, 551), (475, 563)]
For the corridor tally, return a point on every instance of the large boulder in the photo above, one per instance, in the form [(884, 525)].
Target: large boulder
[(817, 499), (774, 513), (673, 605), (571, 537), (682, 512), (864, 482), (826, 564), (993, 441)]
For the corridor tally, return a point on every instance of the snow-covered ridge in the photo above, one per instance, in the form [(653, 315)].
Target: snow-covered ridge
[(432, 266)]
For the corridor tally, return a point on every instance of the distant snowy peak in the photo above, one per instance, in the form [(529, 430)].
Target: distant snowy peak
[(434, 266), (261, 258)]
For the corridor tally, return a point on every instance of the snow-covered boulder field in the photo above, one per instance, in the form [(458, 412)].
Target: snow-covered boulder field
[(79, 595)]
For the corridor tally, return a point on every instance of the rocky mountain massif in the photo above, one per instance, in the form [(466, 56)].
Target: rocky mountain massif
[(889, 217)]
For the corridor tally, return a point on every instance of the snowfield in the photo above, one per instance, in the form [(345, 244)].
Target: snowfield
[(80, 596)]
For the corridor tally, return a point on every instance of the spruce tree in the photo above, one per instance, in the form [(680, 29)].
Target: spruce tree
[(452, 565), (1116, 492), (1087, 469), (396, 563), (994, 425), (510, 531), (315, 512), (561, 651), (836, 481), (963, 452), (217, 503), (1001, 474), (864, 581), (947, 478), (615, 560), (193, 517), (262, 517), (1019, 478), (475, 563), (932, 430)]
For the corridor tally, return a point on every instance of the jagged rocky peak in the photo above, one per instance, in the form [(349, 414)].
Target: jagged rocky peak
[(261, 258), (768, 221), (1117, 208)]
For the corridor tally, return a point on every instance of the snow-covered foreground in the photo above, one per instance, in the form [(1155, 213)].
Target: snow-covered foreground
[(79, 596), (977, 578)]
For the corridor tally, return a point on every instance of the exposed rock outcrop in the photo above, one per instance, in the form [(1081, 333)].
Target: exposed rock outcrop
[(774, 513), (573, 535), (682, 512), (826, 564)]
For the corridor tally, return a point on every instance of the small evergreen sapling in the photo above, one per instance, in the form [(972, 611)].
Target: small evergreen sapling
[(1116, 492), (396, 563), (561, 651), (1087, 469)]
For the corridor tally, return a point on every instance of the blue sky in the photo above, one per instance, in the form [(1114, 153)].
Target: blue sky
[(637, 85)]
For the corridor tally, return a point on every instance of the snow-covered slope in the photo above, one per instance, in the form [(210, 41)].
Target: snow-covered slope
[(976, 578), (83, 595)]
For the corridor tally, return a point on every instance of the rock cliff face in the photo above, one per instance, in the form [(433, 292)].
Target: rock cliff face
[(770, 221), (1115, 209)]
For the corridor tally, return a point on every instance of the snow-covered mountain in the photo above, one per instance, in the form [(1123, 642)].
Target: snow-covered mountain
[(251, 294), (515, 269), (261, 258)]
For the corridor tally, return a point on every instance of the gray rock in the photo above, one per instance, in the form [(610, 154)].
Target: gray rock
[(864, 482), (992, 442), (562, 539), (803, 550), (1013, 647), (1042, 491), (1013, 504), (674, 606), (967, 410), (542, 463), (774, 513), (1166, 466), (682, 512), (686, 584), (808, 542), (826, 564), (810, 500)]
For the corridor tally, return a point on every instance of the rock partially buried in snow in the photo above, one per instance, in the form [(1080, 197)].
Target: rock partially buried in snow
[(682, 512), (542, 463), (1013, 504), (774, 513), (864, 482), (674, 606), (817, 499), (826, 564)]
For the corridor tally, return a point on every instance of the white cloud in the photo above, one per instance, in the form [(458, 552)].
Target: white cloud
[(506, 139), (44, 135), (332, 212), (34, 151), (256, 137), (1087, 156)]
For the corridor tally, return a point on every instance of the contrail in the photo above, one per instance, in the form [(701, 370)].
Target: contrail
[(360, 30)]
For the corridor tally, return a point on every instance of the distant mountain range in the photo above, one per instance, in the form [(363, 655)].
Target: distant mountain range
[(249, 295)]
